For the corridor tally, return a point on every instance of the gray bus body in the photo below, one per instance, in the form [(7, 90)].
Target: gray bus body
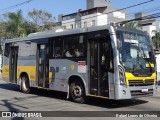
[(40, 57)]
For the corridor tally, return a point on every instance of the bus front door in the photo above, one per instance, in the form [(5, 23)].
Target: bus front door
[(43, 66), (13, 64), (99, 60)]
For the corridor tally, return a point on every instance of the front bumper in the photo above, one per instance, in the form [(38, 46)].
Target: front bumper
[(128, 92)]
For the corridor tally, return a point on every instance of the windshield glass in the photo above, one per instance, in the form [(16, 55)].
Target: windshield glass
[(136, 51)]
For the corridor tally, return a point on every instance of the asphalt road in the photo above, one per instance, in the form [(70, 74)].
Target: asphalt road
[(11, 99)]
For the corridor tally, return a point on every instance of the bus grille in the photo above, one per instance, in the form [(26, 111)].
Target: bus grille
[(141, 82), (140, 93)]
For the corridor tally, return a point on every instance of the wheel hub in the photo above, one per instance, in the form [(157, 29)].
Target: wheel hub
[(77, 91)]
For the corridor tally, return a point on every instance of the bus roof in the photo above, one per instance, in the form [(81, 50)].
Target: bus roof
[(130, 30), (49, 34)]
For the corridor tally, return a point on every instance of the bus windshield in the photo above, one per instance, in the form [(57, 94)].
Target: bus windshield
[(135, 52)]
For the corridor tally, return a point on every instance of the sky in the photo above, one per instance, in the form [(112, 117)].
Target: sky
[(57, 7)]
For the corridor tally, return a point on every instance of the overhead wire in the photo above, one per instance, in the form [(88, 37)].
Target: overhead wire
[(14, 6)]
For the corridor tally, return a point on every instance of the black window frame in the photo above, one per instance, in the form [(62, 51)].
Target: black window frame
[(63, 38), (52, 47), (7, 49)]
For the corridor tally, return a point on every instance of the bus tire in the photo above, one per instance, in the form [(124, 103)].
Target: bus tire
[(25, 87), (77, 92)]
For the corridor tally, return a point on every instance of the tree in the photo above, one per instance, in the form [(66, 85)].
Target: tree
[(51, 25), (42, 19), (2, 29), (133, 25), (156, 40), (30, 27), (14, 25)]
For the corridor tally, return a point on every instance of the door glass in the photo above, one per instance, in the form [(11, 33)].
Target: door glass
[(94, 67), (99, 66), (13, 64), (43, 72), (104, 63)]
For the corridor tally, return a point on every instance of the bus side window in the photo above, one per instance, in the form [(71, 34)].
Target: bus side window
[(57, 50), (7, 50), (74, 46)]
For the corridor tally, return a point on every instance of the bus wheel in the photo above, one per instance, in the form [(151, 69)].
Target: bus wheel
[(77, 92), (25, 84)]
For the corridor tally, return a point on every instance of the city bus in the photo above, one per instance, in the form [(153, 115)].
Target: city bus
[(100, 61)]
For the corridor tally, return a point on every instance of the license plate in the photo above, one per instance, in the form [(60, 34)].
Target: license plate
[(144, 90)]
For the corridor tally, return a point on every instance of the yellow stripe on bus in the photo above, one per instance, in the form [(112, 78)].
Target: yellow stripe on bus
[(97, 96), (5, 71), (30, 70)]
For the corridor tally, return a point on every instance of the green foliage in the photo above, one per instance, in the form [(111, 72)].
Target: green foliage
[(13, 24), (29, 27), (2, 29), (42, 19), (132, 25)]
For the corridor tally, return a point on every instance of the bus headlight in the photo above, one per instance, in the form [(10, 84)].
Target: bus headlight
[(122, 76)]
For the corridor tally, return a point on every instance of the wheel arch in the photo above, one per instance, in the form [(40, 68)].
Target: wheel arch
[(73, 78)]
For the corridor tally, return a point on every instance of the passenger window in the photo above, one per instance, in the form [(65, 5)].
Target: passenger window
[(7, 50), (58, 45), (74, 46)]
